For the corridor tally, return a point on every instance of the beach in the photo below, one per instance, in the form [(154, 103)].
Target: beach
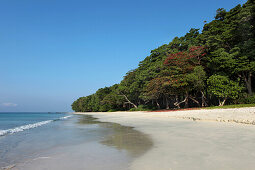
[(127, 85), (162, 140), (192, 139), (65, 141)]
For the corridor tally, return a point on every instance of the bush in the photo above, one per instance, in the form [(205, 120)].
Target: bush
[(112, 110), (104, 108), (133, 109), (141, 108), (249, 99)]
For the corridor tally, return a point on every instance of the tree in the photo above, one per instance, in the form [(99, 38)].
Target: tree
[(186, 70), (176, 73), (196, 81), (223, 88), (230, 39), (220, 14), (128, 89)]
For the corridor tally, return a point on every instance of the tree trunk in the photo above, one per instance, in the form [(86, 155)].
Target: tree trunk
[(178, 103), (223, 102), (128, 101), (167, 104), (203, 99), (157, 104), (248, 83), (187, 100), (194, 100)]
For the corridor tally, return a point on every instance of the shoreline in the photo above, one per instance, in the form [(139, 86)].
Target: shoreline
[(82, 142), (203, 143), (245, 115)]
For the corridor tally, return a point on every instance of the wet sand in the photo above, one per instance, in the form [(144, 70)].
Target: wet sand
[(112, 147), (181, 143)]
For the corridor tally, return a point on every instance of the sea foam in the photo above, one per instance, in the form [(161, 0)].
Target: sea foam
[(29, 126), (65, 117)]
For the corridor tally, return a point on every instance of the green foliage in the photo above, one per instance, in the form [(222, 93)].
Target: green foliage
[(112, 110), (173, 73), (249, 100), (223, 88), (141, 108), (221, 13), (196, 79), (230, 106)]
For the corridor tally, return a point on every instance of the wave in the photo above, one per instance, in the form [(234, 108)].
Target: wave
[(29, 126), (65, 117)]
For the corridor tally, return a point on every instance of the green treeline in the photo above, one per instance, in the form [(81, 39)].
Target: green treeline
[(213, 67)]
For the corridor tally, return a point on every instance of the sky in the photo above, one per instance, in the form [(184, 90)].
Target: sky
[(55, 51)]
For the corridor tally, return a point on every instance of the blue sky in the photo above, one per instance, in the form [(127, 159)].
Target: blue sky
[(54, 51)]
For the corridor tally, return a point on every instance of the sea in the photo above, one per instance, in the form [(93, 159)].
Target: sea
[(37, 140)]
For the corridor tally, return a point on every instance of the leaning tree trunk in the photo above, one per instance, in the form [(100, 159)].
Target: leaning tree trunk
[(184, 101), (128, 101), (194, 100)]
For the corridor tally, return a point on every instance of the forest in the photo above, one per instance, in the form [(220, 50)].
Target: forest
[(211, 67)]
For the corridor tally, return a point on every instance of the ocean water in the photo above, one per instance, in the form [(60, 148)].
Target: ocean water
[(17, 122), (67, 141)]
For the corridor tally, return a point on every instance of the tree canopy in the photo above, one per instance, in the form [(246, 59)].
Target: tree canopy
[(201, 68)]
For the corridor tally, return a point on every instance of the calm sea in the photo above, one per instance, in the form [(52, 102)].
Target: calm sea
[(22, 135), (39, 140)]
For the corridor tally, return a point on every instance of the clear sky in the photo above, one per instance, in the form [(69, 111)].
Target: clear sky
[(54, 51)]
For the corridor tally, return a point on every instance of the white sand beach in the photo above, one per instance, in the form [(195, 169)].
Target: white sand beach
[(193, 139)]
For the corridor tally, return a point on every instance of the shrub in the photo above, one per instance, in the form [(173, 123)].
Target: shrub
[(141, 108), (133, 109), (249, 99), (112, 110)]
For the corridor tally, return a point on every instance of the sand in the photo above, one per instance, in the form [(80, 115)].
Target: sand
[(193, 139)]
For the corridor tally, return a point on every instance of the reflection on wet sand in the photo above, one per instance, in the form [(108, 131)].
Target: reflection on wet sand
[(123, 137)]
